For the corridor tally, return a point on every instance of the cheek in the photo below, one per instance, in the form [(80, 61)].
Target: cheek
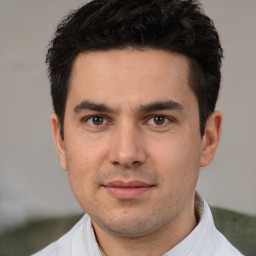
[(83, 163), (177, 161), (84, 155)]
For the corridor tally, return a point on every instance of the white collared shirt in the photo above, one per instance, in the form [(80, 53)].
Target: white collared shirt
[(204, 240)]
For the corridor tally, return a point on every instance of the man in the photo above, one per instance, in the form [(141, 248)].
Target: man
[(134, 87)]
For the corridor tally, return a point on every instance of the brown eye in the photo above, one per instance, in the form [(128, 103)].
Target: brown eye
[(159, 120), (97, 120)]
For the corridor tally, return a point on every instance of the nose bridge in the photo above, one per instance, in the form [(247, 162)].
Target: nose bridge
[(127, 145)]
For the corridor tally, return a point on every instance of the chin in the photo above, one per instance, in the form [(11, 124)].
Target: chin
[(131, 225)]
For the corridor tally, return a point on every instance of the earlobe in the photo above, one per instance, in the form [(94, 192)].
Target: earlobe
[(59, 142), (211, 138)]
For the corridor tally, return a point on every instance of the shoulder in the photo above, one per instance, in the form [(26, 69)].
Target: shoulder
[(221, 246), (218, 244), (63, 246), (209, 241), (50, 250)]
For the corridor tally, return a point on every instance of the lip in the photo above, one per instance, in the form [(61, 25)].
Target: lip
[(127, 190)]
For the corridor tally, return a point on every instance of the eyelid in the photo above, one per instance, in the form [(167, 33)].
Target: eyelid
[(87, 118), (169, 118), (107, 120)]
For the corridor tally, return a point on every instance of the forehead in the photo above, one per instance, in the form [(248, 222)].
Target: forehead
[(129, 76)]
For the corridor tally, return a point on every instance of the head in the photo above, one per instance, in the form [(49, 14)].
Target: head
[(134, 87), (174, 25)]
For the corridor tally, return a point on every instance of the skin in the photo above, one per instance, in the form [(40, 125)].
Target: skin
[(132, 117)]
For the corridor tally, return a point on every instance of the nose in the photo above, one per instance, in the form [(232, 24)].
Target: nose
[(127, 149)]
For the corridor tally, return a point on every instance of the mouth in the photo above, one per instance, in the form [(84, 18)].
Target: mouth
[(127, 190)]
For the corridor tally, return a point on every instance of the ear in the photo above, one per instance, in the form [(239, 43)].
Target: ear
[(211, 138), (59, 142)]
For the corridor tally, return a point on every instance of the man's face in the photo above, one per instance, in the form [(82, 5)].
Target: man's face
[(132, 144)]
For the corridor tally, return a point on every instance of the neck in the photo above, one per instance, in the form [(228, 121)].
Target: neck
[(155, 243)]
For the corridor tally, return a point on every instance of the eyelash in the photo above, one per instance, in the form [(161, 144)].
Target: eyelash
[(86, 119), (167, 119)]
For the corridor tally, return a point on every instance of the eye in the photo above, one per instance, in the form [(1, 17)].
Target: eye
[(96, 120), (158, 120)]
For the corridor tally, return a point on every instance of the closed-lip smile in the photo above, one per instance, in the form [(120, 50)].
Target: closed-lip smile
[(127, 190)]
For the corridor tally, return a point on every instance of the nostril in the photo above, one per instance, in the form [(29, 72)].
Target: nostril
[(127, 164), (136, 163), (115, 163)]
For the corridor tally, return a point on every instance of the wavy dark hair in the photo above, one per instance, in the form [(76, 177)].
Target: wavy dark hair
[(176, 25)]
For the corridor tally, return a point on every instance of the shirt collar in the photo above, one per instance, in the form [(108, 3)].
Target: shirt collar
[(200, 236)]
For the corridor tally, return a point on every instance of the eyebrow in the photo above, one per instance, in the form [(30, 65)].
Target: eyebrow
[(88, 105), (155, 106), (161, 105)]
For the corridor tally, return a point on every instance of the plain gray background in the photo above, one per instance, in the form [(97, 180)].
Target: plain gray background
[(32, 185)]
